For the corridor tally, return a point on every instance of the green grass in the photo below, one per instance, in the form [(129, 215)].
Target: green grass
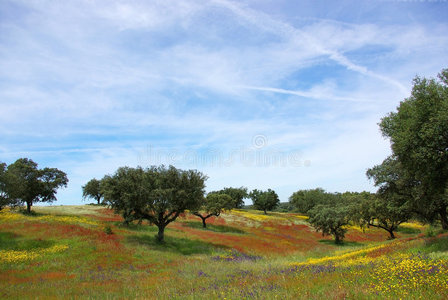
[(214, 228), (436, 245), (144, 227), (32, 213), (13, 241), (341, 245), (408, 230), (176, 245)]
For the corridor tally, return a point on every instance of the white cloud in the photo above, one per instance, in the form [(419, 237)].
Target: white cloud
[(97, 82)]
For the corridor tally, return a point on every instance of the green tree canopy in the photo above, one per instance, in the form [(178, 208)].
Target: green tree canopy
[(285, 207), (264, 200), (237, 195), (157, 194), (92, 189), (330, 220), (391, 178), (125, 191), (213, 205), (382, 213), (4, 199), (28, 184), (305, 200), (384, 210), (418, 132)]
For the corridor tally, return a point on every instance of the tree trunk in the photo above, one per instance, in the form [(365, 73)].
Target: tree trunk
[(98, 199), (160, 234), (265, 212), (28, 206), (443, 218), (204, 225), (392, 236), (337, 240)]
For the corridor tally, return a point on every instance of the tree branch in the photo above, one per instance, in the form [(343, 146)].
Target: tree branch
[(197, 214), (212, 214), (169, 220), (149, 217), (379, 226)]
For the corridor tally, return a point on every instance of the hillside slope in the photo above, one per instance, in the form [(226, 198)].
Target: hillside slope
[(84, 251)]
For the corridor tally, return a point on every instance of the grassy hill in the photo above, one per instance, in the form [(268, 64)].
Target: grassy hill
[(85, 252)]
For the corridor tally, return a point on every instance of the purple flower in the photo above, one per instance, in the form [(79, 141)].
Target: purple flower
[(200, 274)]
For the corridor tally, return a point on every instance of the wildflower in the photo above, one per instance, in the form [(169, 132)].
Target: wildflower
[(15, 256)]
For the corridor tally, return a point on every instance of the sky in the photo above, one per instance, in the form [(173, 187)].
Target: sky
[(264, 94)]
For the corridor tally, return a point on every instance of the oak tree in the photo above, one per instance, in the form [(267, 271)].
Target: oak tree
[(330, 220), (213, 205), (4, 199), (264, 200), (92, 189), (156, 194), (305, 200), (418, 132), (237, 194), (28, 184)]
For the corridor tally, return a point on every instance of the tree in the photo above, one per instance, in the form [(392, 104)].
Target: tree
[(92, 189), (264, 200), (285, 207), (384, 210), (237, 194), (156, 194), (330, 220), (213, 205), (384, 214), (6, 182), (418, 132), (125, 190), (393, 203), (28, 184), (4, 199), (305, 200)]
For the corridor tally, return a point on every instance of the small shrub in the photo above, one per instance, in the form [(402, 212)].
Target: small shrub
[(440, 231), (408, 230), (430, 232), (108, 229)]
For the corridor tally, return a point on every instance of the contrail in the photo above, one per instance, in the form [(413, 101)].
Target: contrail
[(270, 24), (298, 93)]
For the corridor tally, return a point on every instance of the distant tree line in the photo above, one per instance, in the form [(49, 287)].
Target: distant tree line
[(159, 195)]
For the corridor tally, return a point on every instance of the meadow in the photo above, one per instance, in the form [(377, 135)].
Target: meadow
[(86, 252)]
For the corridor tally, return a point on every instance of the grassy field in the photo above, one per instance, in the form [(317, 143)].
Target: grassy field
[(85, 252)]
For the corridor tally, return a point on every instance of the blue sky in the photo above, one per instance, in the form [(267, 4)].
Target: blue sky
[(265, 94)]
